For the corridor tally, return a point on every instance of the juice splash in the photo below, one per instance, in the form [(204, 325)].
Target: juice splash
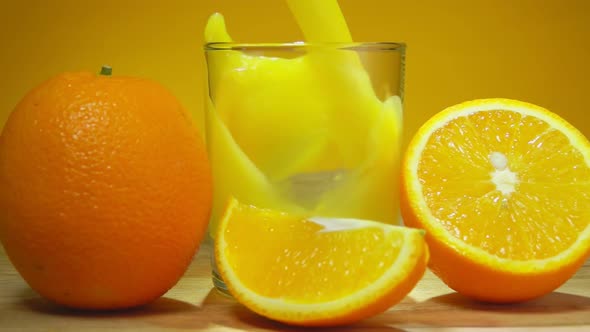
[(303, 133)]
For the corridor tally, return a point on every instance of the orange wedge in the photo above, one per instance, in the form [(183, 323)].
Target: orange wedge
[(316, 271), (502, 188)]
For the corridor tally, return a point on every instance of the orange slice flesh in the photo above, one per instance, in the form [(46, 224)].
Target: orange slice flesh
[(316, 271), (502, 188)]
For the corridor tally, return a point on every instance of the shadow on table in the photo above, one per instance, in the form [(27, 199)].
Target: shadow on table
[(450, 310), (215, 310), (161, 306), (162, 312), (455, 310)]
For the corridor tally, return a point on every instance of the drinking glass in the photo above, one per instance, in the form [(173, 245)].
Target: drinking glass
[(311, 129)]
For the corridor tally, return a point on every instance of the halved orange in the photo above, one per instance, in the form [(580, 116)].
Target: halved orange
[(502, 188), (316, 271)]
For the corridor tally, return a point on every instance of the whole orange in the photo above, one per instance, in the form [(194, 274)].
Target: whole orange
[(105, 190)]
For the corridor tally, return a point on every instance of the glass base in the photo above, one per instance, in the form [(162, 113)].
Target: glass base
[(217, 279), (219, 284)]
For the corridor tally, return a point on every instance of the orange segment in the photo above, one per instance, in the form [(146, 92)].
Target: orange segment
[(503, 189), (316, 271)]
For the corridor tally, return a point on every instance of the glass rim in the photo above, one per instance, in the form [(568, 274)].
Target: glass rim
[(355, 46)]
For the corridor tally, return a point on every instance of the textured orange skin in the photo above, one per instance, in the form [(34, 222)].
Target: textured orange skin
[(473, 279), (105, 190)]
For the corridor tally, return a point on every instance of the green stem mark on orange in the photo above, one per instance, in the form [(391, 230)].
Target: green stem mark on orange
[(106, 70)]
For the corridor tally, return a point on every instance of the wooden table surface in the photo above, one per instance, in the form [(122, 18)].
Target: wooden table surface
[(194, 305)]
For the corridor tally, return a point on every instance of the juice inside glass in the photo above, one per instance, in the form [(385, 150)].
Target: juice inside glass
[(312, 129)]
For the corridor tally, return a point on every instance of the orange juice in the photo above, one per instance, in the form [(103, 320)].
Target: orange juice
[(307, 128)]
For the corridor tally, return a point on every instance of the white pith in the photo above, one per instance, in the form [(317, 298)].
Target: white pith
[(504, 179)]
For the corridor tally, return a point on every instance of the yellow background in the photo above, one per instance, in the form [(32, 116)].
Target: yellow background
[(533, 50)]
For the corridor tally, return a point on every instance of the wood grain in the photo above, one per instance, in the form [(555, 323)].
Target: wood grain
[(194, 305)]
